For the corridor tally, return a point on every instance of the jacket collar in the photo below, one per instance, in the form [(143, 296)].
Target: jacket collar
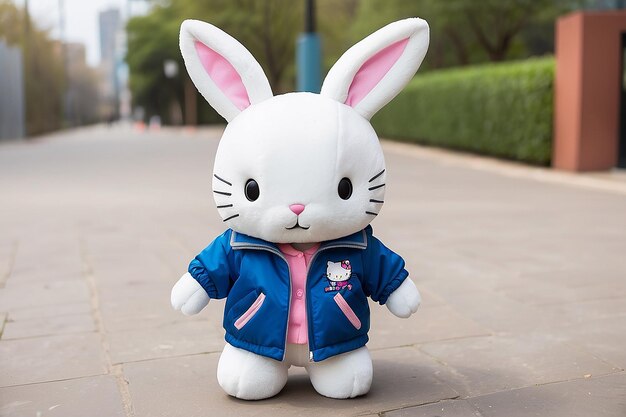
[(356, 240)]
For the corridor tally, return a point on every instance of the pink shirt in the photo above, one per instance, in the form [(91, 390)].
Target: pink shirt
[(297, 331)]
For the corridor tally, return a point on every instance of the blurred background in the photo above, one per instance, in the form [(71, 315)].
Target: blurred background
[(105, 197), (68, 63)]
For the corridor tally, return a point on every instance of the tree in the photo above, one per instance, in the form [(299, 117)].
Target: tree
[(465, 31), (43, 69)]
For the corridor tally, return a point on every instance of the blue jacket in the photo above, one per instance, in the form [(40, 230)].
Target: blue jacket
[(254, 275)]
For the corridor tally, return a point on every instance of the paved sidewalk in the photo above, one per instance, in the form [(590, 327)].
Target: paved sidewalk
[(523, 282)]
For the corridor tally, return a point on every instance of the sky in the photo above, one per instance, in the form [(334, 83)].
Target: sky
[(81, 19)]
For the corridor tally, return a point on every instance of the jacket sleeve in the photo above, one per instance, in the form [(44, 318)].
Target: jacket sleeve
[(215, 267), (384, 270)]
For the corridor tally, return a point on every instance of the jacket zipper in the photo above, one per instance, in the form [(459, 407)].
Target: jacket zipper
[(306, 300)]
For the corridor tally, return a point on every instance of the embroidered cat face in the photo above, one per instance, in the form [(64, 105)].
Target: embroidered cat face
[(338, 271), (301, 167)]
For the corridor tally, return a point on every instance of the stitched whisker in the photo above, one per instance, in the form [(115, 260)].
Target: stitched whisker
[(222, 193), (375, 187), (223, 180), (376, 201), (372, 213), (376, 176), (231, 217), (225, 206)]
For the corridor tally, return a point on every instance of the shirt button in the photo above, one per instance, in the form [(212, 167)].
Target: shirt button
[(300, 255), (299, 293)]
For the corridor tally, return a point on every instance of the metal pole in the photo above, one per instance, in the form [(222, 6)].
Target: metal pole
[(309, 17), (308, 53)]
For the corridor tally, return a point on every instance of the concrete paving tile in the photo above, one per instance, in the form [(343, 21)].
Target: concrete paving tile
[(143, 315), (447, 408), (172, 339), (137, 311), (44, 274), (581, 274), (3, 320), (187, 386), (8, 248), (90, 396), (599, 397), (546, 293), (39, 257), (50, 358), (430, 323), (526, 260), (45, 326), (484, 365), (122, 271), (43, 294), (46, 311), (494, 311), (129, 291), (157, 259), (604, 338), (586, 311)]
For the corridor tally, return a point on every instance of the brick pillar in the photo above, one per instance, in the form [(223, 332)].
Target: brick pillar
[(587, 90)]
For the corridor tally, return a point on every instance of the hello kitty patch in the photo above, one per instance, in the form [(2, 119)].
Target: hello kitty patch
[(338, 274)]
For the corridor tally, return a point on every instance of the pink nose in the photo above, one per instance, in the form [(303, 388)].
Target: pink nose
[(297, 208)]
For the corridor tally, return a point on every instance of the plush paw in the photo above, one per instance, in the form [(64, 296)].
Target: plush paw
[(249, 376), (188, 296), (405, 300), (343, 376)]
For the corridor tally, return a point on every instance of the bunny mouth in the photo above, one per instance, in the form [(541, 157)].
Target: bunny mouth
[(296, 226)]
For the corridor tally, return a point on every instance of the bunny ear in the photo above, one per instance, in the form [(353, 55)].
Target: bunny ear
[(222, 69), (373, 71)]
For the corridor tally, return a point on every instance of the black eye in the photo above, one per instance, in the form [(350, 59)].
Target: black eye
[(251, 190), (344, 189)]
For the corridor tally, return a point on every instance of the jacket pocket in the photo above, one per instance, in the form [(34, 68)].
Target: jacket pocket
[(347, 310), (250, 312)]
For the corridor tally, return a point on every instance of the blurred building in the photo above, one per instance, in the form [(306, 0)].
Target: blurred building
[(110, 24), (111, 31), (12, 110), (82, 97)]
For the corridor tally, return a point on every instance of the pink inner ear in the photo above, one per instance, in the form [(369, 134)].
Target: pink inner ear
[(373, 70), (223, 75)]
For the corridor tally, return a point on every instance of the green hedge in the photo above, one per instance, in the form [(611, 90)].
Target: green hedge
[(504, 110)]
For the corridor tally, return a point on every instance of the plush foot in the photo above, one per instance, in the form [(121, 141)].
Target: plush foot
[(249, 376), (343, 376)]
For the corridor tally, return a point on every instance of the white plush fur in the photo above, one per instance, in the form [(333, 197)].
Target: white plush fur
[(251, 73), (405, 300), (248, 376), (188, 296), (298, 161), (340, 76), (298, 147)]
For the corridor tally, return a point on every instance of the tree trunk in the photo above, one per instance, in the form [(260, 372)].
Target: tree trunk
[(191, 103)]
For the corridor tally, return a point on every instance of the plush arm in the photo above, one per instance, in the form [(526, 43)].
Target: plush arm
[(210, 275), (405, 300), (215, 268), (383, 270), (188, 296), (386, 280)]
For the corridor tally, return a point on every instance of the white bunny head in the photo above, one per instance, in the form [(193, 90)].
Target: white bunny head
[(301, 167)]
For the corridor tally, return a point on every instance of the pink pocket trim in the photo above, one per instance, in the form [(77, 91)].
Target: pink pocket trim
[(349, 313), (245, 317)]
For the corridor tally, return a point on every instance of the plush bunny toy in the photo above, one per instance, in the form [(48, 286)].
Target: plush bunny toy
[(298, 178)]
